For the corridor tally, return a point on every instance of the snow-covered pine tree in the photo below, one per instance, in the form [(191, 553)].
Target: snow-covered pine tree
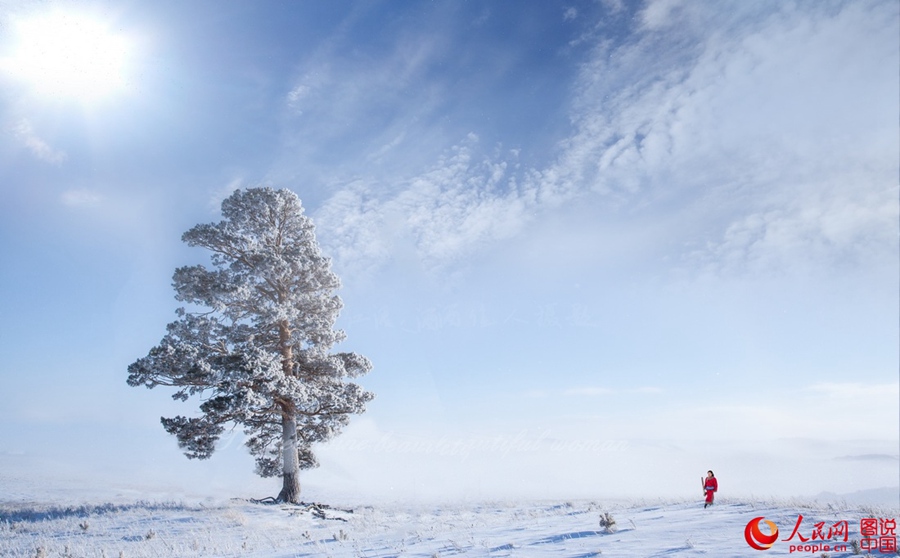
[(255, 340)]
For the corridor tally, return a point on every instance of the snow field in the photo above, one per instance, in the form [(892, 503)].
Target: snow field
[(526, 529)]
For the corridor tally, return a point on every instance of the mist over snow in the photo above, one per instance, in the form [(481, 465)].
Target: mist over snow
[(593, 249)]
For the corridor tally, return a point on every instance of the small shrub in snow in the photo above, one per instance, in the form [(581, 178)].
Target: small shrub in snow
[(855, 548), (608, 522), (236, 516)]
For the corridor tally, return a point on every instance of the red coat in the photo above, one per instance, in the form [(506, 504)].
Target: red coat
[(710, 486)]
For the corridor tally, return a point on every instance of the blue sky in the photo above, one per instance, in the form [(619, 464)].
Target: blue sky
[(579, 240)]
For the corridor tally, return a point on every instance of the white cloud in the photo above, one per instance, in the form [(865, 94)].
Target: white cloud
[(437, 217), (658, 13), (772, 136), (388, 147), (368, 115), (81, 198), (39, 148), (297, 94), (857, 394), (763, 410), (602, 391), (614, 6), (356, 230), (338, 93), (218, 196), (844, 228), (589, 391), (782, 129)]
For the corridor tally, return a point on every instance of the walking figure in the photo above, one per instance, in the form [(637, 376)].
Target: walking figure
[(710, 486)]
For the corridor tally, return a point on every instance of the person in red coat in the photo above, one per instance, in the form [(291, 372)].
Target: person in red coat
[(710, 486)]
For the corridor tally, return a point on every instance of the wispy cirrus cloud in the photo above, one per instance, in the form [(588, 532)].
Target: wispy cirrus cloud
[(857, 392), (463, 202), (42, 150), (842, 222), (602, 391), (81, 197), (353, 107), (659, 13), (778, 129), (769, 133), (219, 195), (588, 392)]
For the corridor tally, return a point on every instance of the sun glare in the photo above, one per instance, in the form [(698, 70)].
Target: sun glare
[(69, 56)]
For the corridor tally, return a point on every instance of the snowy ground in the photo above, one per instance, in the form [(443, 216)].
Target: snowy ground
[(139, 528)]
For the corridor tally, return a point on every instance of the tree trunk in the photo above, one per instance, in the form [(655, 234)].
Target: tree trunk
[(290, 491), (290, 472)]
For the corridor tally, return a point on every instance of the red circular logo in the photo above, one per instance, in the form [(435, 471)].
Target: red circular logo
[(756, 538)]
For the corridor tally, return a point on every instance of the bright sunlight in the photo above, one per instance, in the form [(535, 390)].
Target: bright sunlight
[(68, 56)]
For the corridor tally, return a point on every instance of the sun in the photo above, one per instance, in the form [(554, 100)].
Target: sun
[(69, 56)]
